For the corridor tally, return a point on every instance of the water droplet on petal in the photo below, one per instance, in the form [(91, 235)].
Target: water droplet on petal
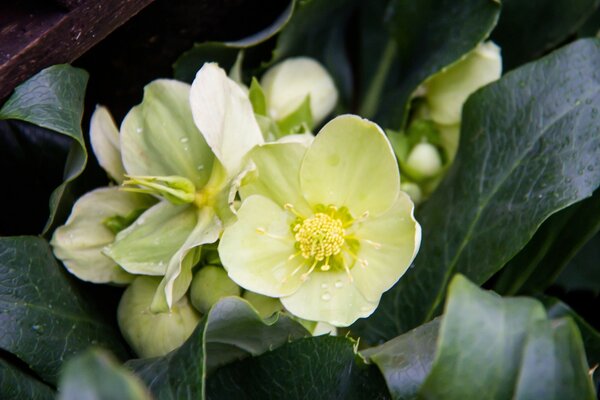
[(139, 130), (324, 286), (326, 296), (339, 284), (200, 167), (184, 140)]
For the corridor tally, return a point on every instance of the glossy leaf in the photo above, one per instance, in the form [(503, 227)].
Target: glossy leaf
[(53, 99), (231, 330), (530, 146), (44, 319), (322, 367), (96, 375), (518, 30), (505, 348), (16, 384)]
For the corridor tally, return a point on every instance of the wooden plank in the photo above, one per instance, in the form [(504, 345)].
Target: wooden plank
[(35, 36)]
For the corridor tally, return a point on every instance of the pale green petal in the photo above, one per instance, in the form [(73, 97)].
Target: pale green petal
[(159, 137), (287, 84), (305, 139), (447, 91), (148, 245), (179, 271), (104, 136), (351, 163), (224, 115), (277, 175), (450, 138), (256, 249), (80, 241), (389, 243), (153, 334), (329, 297)]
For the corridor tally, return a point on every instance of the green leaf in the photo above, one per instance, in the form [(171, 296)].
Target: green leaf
[(322, 367), (257, 98), (557, 241), (530, 147), (505, 348), (53, 99), (406, 360), (582, 273), (518, 30), (96, 375), (16, 384), (420, 42), (225, 53), (44, 319), (231, 330)]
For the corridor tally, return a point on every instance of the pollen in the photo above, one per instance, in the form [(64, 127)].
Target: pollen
[(320, 237)]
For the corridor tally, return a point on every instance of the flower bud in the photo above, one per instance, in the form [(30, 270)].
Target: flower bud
[(287, 84), (424, 161), (153, 334), (209, 285), (447, 91), (266, 306)]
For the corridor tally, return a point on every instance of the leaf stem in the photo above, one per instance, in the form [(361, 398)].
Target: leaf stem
[(371, 101)]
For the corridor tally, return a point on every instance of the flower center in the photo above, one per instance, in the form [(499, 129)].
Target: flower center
[(320, 237)]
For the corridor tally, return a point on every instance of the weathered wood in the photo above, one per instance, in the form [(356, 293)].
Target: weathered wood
[(35, 36)]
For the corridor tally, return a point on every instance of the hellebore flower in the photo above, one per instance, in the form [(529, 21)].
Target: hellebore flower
[(185, 145), (177, 154), (326, 228)]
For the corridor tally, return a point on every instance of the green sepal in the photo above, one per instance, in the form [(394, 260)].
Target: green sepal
[(257, 98), (176, 189), (299, 121), (117, 223)]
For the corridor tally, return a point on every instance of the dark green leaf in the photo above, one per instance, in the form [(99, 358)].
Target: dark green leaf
[(318, 30), (96, 375), (231, 330), (505, 349), (53, 99), (16, 384), (591, 26), (590, 336), (406, 360), (322, 367), (582, 273), (530, 146), (528, 29), (44, 319), (556, 242), (33, 159), (224, 53), (427, 35)]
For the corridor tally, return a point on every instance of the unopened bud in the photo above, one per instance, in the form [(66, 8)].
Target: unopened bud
[(209, 285), (287, 84), (424, 161)]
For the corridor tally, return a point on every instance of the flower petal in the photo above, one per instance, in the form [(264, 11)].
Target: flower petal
[(159, 137), (80, 241), (329, 297), (104, 136), (351, 163), (179, 271), (389, 243), (277, 175), (256, 249), (147, 246), (224, 115)]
